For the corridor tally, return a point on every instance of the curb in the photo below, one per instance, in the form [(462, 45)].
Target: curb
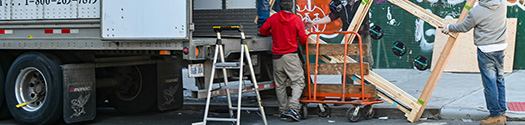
[(476, 114)]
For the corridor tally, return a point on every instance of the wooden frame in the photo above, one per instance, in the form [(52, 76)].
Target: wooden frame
[(412, 107)]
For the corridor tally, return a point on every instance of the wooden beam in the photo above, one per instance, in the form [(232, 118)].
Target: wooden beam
[(438, 69), (337, 69), (350, 89), (358, 20), (336, 49)]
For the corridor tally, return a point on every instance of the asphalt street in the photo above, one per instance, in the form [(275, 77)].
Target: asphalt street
[(107, 116)]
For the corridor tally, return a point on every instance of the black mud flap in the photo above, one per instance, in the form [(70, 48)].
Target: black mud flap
[(79, 92), (169, 94)]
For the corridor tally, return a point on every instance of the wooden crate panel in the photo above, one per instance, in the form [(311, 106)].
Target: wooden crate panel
[(350, 89), (336, 49), (337, 69)]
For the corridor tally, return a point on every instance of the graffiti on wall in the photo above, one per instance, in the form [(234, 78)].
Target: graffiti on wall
[(420, 36), (311, 10), (391, 21)]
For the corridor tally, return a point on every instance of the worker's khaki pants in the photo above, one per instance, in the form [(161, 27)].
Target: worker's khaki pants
[(287, 70)]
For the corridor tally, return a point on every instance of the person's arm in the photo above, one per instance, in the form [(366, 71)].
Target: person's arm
[(265, 28), (301, 32), (324, 20), (465, 25)]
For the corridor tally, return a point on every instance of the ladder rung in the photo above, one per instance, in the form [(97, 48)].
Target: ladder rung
[(246, 108), (227, 64), (222, 119), (226, 67)]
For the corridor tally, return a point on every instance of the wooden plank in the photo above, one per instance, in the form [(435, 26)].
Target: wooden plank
[(358, 20), (421, 13), (464, 57), (336, 49), (350, 89), (438, 69), (337, 69)]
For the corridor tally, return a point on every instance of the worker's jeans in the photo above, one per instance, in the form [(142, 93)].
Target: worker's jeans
[(288, 70), (491, 67), (263, 10)]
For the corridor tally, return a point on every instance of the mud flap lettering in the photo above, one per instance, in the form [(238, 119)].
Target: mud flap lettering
[(79, 92)]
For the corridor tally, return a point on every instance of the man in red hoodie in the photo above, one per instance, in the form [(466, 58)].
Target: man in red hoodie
[(285, 28)]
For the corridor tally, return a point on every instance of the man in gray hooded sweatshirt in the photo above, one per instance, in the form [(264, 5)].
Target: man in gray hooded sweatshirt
[(490, 27)]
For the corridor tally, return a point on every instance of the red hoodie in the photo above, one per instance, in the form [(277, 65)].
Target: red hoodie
[(285, 28)]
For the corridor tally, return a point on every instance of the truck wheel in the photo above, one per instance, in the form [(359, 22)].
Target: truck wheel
[(138, 93), (33, 89)]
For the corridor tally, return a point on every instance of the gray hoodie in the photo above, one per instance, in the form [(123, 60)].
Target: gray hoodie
[(489, 22)]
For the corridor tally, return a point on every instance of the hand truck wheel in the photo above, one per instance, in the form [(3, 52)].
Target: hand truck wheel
[(304, 110), (369, 112), (353, 114), (324, 110)]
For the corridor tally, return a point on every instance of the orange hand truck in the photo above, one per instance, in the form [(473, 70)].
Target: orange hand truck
[(361, 100)]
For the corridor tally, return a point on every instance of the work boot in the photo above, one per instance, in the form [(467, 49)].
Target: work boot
[(283, 116), (499, 120), (294, 115)]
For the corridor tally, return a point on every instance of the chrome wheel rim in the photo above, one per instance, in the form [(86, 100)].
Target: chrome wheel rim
[(31, 88)]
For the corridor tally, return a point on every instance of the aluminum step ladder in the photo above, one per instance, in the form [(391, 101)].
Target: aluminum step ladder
[(232, 65)]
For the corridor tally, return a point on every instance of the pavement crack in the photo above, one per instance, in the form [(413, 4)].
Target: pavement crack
[(464, 95)]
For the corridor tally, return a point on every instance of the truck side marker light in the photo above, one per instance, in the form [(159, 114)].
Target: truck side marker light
[(185, 50), (196, 51), (164, 52)]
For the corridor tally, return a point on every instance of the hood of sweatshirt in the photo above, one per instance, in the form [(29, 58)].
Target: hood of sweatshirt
[(490, 4), (285, 17)]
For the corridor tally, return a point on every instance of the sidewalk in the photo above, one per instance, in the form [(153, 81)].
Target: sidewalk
[(456, 96)]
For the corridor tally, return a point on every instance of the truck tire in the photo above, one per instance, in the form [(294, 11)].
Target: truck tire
[(35, 79), (137, 95)]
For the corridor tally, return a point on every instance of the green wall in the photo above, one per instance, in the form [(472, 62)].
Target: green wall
[(400, 25)]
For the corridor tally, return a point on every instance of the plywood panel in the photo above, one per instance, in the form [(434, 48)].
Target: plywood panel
[(464, 57)]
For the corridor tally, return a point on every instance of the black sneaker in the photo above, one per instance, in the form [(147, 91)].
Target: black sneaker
[(294, 115), (284, 117)]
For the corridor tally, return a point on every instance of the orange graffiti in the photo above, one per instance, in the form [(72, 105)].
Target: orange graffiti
[(514, 1), (314, 10)]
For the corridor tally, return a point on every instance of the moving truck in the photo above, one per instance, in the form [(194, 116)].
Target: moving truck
[(60, 59)]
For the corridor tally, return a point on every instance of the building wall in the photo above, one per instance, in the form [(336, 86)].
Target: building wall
[(399, 25)]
